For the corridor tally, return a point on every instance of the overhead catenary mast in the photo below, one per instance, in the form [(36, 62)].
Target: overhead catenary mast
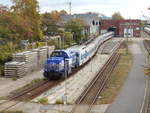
[(70, 6)]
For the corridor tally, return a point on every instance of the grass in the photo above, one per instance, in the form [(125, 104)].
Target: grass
[(12, 111), (117, 78), (130, 42), (3, 98), (15, 78), (63, 112), (59, 101), (43, 100), (32, 83)]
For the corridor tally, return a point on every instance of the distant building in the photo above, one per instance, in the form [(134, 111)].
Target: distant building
[(122, 28), (91, 22), (148, 22)]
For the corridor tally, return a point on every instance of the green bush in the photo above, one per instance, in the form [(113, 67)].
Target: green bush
[(15, 78), (43, 100), (5, 55), (40, 44), (51, 42), (59, 101), (1, 70)]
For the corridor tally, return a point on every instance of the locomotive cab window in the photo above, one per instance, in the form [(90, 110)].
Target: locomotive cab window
[(56, 54), (59, 54)]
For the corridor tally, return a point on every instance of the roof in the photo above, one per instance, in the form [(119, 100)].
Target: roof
[(87, 19)]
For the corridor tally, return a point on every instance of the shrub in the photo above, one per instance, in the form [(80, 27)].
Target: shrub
[(43, 100), (59, 101), (1, 70)]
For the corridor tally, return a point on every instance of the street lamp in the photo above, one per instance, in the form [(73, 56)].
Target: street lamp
[(127, 36), (66, 66)]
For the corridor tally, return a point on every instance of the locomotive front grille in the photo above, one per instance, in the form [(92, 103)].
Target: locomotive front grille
[(53, 67)]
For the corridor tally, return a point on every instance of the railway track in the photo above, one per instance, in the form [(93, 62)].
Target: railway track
[(89, 96), (147, 103), (28, 94), (34, 91)]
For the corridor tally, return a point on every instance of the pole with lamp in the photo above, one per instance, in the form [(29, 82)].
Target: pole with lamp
[(66, 66), (128, 27), (127, 32)]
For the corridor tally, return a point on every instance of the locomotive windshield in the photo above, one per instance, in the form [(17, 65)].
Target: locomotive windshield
[(56, 54), (59, 54)]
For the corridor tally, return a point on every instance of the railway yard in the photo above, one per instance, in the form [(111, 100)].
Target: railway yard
[(87, 87), (74, 56)]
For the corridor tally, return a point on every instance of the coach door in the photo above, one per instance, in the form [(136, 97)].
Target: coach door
[(128, 32)]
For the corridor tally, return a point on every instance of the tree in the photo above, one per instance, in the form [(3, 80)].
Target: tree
[(29, 10), (117, 16), (75, 27), (68, 38), (63, 12), (49, 23), (14, 27)]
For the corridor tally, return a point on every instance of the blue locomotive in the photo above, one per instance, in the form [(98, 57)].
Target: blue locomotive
[(62, 62)]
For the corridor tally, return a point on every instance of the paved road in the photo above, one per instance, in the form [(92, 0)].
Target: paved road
[(131, 96)]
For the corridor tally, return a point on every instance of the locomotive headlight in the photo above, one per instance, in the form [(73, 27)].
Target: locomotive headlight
[(61, 65)]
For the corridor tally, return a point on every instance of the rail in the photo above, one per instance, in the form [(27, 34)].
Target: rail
[(89, 96)]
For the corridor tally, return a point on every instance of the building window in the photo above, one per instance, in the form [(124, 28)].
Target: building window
[(96, 23), (93, 22), (137, 28)]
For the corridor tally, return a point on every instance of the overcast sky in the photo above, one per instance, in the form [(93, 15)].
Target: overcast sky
[(128, 8)]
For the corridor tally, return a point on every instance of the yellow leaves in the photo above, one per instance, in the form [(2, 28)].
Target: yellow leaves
[(117, 16)]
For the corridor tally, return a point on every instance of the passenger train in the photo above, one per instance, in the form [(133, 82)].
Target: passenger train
[(147, 30), (61, 62)]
